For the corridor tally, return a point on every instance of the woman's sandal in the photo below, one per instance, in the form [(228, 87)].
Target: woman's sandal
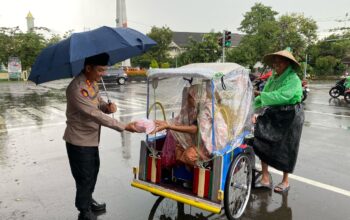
[(281, 188), (259, 185)]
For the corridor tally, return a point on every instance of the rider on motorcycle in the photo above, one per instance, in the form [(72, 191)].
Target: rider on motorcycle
[(347, 82)]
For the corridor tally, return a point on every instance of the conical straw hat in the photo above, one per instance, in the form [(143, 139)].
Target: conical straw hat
[(269, 58)]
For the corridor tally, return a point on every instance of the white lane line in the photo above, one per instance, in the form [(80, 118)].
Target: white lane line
[(330, 114), (311, 182)]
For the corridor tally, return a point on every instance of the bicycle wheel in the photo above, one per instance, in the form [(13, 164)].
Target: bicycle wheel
[(166, 209), (238, 186), (347, 97)]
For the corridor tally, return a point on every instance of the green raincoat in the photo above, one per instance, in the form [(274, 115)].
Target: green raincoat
[(278, 128), (280, 90), (347, 82)]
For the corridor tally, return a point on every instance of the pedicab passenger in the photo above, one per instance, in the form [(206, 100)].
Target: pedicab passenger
[(279, 125), (195, 113)]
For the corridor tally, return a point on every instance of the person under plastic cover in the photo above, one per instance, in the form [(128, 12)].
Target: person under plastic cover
[(279, 125), (189, 136)]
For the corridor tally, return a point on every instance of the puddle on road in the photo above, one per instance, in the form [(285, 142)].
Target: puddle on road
[(24, 104), (260, 206)]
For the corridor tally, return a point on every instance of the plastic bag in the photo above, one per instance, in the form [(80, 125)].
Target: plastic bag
[(145, 125)]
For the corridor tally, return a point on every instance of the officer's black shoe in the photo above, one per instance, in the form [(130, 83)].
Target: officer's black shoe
[(96, 207), (86, 215)]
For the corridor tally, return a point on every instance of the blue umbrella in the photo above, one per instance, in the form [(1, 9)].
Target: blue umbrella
[(66, 58)]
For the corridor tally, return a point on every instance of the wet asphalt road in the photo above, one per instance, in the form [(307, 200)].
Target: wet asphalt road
[(36, 183)]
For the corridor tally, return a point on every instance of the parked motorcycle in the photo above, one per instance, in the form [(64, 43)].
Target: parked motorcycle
[(347, 96), (260, 82), (338, 89), (306, 89)]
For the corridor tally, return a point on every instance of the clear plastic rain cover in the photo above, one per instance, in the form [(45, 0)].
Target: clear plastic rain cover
[(220, 106)]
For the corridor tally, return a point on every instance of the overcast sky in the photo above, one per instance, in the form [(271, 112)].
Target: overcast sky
[(178, 15)]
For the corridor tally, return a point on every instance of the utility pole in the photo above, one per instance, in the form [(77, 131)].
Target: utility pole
[(305, 66), (121, 21), (223, 46)]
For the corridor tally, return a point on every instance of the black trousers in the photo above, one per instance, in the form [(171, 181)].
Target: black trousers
[(85, 164)]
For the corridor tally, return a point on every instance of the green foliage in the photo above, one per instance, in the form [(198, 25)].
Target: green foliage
[(267, 34), (154, 64), (326, 65), (143, 61), (297, 32), (163, 37), (29, 46), (26, 46), (258, 15), (206, 50), (326, 55), (164, 65)]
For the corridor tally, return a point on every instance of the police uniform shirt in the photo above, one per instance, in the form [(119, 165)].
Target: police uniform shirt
[(86, 113)]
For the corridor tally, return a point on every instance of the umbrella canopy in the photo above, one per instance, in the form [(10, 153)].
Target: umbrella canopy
[(66, 58)]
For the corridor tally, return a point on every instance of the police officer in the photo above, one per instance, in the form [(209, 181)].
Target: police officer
[(86, 112)]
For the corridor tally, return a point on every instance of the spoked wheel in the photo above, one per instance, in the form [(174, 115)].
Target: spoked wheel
[(334, 92), (347, 97), (166, 209), (238, 186)]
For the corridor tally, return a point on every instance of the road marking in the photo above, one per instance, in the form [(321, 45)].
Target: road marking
[(311, 182), (330, 114)]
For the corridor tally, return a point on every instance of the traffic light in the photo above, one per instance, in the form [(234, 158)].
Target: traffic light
[(227, 36)]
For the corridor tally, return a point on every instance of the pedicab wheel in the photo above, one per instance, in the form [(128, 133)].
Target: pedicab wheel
[(238, 186), (347, 97), (166, 209), (334, 92)]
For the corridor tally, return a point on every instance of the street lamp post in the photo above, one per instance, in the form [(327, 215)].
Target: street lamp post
[(305, 66)]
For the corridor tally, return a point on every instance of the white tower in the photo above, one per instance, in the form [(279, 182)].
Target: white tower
[(122, 22), (121, 14), (30, 22)]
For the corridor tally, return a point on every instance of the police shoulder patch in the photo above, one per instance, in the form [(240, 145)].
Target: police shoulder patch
[(84, 92)]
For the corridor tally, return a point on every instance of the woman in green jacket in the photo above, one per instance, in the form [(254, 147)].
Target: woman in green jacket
[(279, 125)]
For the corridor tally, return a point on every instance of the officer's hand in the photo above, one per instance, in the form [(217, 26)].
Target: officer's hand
[(131, 127), (111, 107)]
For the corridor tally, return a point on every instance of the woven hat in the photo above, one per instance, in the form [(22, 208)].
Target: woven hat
[(286, 53)]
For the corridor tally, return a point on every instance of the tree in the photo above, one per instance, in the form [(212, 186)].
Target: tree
[(266, 34), (163, 37), (154, 64), (326, 65), (26, 46), (297, 32), (29, 47), (206, 50), (326, 55), (257, 15)]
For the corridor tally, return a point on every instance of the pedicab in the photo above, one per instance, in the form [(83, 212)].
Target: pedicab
[(223, 180)]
